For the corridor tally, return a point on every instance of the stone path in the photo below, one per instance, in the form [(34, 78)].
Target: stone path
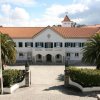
[(47, 84)]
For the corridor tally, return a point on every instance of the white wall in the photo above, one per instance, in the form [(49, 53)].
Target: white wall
[(22, 49), (74, 50), (43, 37), (67, 24)]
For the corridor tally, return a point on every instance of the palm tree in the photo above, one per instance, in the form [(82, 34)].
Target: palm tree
[(91, 51), (8, 51)]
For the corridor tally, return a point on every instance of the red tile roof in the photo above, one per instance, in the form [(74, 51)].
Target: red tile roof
[(65, 32), (72, 32), (21, 32)]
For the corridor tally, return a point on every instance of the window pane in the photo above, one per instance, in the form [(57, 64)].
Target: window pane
[(55, 44), (25, 44), (42, 44), (20, 44), (21, 54), (51, 45), (60, 44), (45, 45), (31, 44), (76, 54), (68, 54), (36, 44), (82, 44)]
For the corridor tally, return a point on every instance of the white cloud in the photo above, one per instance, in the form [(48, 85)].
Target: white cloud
[(78, 20), (56, 10), (6, 8), (91, 16), (13, 16), (20, 13), (25, 1), (14, 13), (51, 15), (45, 21), (80, 11), (19, 2)]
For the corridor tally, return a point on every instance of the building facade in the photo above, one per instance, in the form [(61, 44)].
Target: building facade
[(50, 45)]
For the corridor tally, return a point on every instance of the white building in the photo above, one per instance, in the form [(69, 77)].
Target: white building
[(50, 45)]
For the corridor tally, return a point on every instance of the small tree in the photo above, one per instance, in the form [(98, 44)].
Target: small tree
[(8, 51), (91, 51)]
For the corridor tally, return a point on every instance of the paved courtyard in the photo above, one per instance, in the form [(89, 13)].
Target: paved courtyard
[(47, 84)]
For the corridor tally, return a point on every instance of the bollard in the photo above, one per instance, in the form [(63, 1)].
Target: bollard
[(66, 78), (27, 75)]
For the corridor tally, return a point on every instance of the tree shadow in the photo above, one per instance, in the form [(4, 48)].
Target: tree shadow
[(60, 77), (70, 90)]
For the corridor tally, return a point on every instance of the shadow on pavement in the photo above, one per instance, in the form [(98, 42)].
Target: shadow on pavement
[(60, 77), (70, 90)]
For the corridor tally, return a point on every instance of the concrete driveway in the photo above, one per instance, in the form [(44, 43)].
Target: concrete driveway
[(47, 84)]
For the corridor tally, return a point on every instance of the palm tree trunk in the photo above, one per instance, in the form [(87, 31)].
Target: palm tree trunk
[(98, 66)]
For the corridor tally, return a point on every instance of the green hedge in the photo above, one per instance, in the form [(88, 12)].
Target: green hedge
[(12, 76), (85, 77)]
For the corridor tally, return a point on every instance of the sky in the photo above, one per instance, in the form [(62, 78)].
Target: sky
[(31, 13)]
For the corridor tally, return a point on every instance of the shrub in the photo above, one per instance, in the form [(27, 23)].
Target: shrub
[(85, 77), (12, 76)]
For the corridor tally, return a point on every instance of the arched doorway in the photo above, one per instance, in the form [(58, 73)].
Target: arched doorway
[(49, 58), (58, 58), (38, 58)]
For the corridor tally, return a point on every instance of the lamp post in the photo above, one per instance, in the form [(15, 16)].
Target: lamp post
[(66, 62), (26, 66), (27, 74)]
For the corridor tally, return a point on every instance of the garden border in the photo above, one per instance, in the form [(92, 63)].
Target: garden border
[(83, 89), (13, 87)]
